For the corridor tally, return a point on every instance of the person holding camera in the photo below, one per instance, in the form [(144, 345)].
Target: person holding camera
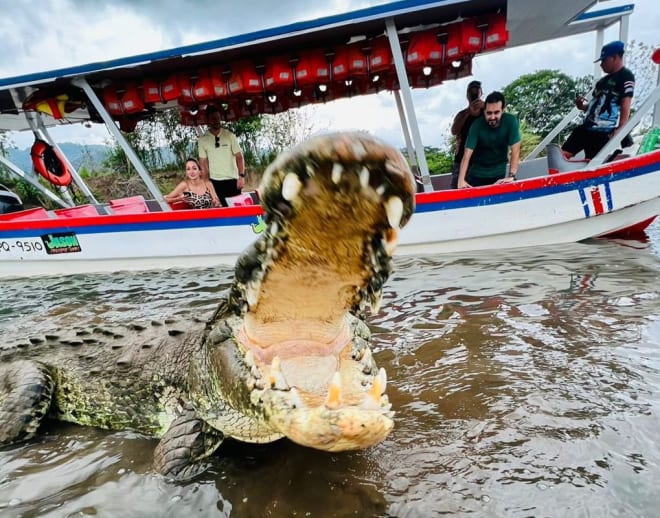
[(609, 108), (461, 125), (487, 146)]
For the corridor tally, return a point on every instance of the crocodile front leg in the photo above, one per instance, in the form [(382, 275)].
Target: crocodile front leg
[(26, 389), (186, 442)]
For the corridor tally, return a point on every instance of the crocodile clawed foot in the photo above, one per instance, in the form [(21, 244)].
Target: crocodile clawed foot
[(185, 444)]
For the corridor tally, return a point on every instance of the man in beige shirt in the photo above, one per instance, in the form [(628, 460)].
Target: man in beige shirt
[(221, 157)]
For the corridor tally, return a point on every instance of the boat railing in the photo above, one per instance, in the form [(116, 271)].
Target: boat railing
[(570, 117)]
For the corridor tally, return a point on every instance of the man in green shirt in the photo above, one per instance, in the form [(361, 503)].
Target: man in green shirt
[(487, 146)]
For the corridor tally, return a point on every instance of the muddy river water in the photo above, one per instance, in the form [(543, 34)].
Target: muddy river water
[(526, 383)]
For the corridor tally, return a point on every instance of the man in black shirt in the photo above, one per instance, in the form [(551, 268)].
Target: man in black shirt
[(462, 123), (609, 108)]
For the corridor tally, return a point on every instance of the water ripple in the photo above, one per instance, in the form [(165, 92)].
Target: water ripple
[(525, 383)]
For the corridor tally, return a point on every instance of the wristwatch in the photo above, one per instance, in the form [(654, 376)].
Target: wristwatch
[(512, 174)]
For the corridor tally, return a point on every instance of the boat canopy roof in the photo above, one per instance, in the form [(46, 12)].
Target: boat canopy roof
[(234, 72)]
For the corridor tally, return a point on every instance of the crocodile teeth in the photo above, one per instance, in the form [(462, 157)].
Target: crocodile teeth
[(376, 299), (274, 228), (392, 167), (367, 361), (275, 376), (380, 190), (390, 240), (333, 401), (379, 385), (359, 151), (249, 358), (294, 397), (337, 170), (359, 354), (291, 186), (252, 293), (394, 209), (364, 177), (371, 403)]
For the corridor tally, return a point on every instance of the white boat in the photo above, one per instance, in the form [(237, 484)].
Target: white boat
[(553, 202)]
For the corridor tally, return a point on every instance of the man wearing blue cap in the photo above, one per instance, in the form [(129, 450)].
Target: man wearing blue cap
[(609, 108)]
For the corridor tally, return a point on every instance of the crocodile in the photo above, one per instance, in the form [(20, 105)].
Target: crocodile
[(285, 354)]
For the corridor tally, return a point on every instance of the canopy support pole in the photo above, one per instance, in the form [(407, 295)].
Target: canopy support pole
[(600, 34), (405, 131), (624, 23), (404, 86), (656, 108), (555, 131), (82, 83)]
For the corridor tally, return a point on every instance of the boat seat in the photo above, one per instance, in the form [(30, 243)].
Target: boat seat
[(102, 208), (154, 206), (532, 168), (558, 164), (23, 215), (440, 182), (179, 205), (77, 212), (130, 205), (240, 201)]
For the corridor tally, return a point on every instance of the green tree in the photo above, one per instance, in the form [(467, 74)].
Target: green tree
[(528, 140), (542, 99), (439, 161), (247, 132), (284, 130), (182, 140)]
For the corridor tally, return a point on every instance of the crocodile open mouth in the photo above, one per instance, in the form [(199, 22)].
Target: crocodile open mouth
[(333, 208)]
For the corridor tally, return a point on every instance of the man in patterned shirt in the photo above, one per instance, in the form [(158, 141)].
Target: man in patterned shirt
[(609, 108)]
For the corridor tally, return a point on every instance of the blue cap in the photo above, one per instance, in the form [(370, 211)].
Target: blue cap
[(610, 49)]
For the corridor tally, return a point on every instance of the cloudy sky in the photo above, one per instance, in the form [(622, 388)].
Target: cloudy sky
[(60, 33)]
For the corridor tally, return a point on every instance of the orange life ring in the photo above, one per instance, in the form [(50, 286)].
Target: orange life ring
[(50, 164)]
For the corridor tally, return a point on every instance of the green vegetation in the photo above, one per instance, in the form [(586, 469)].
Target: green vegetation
[(542, 99), (439, 161)]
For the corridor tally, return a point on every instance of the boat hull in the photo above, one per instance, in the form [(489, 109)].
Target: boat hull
[(551, 209)]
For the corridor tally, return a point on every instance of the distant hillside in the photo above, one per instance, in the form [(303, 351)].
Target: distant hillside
[(90, 157)]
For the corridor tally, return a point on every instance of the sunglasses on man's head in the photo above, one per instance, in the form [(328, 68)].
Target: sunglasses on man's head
[(217, 141)]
